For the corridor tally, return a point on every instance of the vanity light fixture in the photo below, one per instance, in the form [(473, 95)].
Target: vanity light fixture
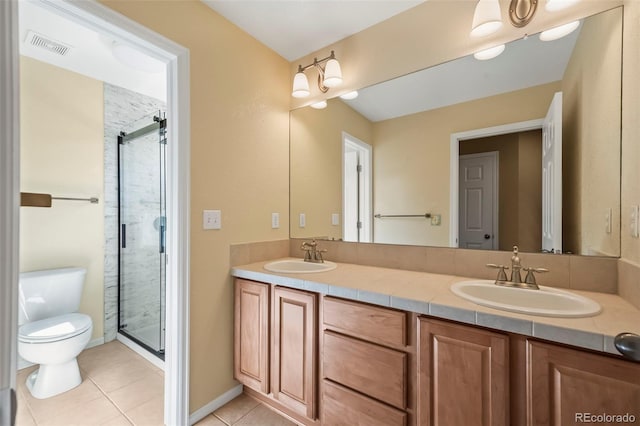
[(487, 18), (349, 95), (328, 76), (489, 53), (319, 105), (559, 32)]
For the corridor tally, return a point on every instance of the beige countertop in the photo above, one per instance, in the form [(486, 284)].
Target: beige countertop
[(427, 293)]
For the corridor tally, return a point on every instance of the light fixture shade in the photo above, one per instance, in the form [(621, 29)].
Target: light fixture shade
[(332, 73), (300, 86), (349, 95), (555, 5), (490, 53), (559, 32), (487, 18), (319, 105)]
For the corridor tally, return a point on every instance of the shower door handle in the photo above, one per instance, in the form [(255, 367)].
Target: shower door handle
[(123, 242), (162, 233)]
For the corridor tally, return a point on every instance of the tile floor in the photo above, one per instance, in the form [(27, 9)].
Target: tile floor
[(122, 388)]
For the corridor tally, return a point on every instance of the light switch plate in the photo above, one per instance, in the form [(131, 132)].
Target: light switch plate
[(436, 220), (275, 220), (335, 219), (303, 220), (211, 219), (634, 219), (607, 221)]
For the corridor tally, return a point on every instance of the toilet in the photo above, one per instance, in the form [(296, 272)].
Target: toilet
[(51, 331)]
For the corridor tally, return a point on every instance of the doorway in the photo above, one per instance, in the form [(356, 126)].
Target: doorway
[(357, 189), (176, 60)]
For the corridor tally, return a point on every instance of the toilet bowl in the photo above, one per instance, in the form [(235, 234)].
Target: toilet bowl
[(54, 343), (51, 332)]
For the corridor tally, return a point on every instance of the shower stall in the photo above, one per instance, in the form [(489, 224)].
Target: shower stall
[(142, 226)]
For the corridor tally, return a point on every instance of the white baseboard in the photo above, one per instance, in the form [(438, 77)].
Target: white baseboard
[(140, 351), (212, 406)]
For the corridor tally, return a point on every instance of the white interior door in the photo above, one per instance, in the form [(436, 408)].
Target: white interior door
[(478, 201), (552, 177), (357, 189)]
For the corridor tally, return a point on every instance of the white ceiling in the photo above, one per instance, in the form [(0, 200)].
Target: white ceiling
[(91, 54), (295, 28)]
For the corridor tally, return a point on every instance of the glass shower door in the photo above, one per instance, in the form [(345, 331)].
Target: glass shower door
[(142, 220)]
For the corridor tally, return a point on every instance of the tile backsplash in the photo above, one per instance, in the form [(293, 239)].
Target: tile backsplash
[(600, 274), (567, 271)]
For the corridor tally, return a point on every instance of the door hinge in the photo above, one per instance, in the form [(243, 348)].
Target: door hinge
[(359, 168), (359, 225)]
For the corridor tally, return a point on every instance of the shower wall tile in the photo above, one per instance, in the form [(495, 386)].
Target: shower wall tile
[(125, 110)]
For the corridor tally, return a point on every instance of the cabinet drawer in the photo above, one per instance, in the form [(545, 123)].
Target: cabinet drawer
[(344, 407), (371, 369), (366, 322)]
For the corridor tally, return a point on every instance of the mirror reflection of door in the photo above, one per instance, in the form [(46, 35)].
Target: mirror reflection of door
[(478, 205), (552, 177), (357, 199)]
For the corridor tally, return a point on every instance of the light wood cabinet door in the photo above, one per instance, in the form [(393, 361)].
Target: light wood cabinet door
[(294, 368), (251, 334), (565, 385), (463, 375)]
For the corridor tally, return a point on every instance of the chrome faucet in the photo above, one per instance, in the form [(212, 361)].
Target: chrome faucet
[(312, 253), (516, 277)]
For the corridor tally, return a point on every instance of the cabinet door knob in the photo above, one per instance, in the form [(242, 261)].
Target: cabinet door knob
[(628, 344)]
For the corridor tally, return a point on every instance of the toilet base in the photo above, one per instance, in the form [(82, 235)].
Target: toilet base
[(53, 379)]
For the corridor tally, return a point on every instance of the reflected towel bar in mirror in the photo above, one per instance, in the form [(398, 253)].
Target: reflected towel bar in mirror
[(381, 216)]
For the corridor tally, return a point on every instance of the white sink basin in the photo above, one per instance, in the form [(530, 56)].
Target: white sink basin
[(548, 302), (298, 266)]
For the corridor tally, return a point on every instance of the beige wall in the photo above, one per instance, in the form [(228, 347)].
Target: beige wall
[(630, 129), (239, 164), (591, 153), (316, 166), (61, 126), (412, 157)]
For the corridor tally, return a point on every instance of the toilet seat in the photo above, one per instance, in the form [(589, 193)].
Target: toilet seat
[(54, 329)]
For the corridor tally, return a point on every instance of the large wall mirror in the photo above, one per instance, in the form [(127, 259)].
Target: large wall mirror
[(520, 149)]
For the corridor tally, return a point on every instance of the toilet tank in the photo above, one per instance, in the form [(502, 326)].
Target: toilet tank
[(48, 293)]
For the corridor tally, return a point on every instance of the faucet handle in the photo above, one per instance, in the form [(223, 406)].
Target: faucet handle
[(502, 275), (531, 278)]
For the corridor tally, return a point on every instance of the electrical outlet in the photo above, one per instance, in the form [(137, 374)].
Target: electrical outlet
[(607, 221), (436, 220), (275, 220), (335, 219), (303, 220), (635, 212), (211, 219)]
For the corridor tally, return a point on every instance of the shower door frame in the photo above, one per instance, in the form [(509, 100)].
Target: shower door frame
[(159, 125)]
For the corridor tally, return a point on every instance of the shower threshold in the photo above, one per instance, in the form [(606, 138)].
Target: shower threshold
[(141, 348)]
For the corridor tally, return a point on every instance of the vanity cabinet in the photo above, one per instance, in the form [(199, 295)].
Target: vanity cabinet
[(251, 334), (275, 346), (463, 375), (366, 365), (565, 385), (294, 367)]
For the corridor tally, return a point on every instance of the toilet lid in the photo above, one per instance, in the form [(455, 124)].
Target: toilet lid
[(55, 328)]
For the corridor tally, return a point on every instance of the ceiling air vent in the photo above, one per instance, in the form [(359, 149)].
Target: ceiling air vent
[(43, 42)]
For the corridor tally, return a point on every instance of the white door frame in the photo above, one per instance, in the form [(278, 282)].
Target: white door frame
[(9, 203), (367, 151), (521, 126), (495, 201), (105, 21)]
